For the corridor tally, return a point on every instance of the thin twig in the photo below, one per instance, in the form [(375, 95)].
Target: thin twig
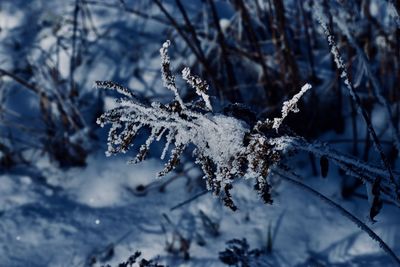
[(198, 52), (202, 193), (344, 75), (21, 81), (293, 179), (73, 59), (224, 51)]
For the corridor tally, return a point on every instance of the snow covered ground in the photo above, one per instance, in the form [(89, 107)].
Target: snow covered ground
[(98, 215)]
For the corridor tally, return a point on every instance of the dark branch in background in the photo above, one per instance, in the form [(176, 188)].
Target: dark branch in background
[(252, 36), (289, 59), (196, 196), (21, 81), (230, 74), (202, 58), (72, 63), (199, 51), (377, 88), (135, 12)]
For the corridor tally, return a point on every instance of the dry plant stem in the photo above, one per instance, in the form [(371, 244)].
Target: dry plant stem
[(344, 75), (263, 17), (126, 9), (371, 76), (191, 28), (225, 56), (202, 193), (321, 149), (87, 15), (355, 129), (24, 83), (293, 179), (377, 88), (306, 26), (252, 36), (202, 57), (287, 55), (352, 166), (199, 53), (177, 27), (396, 6), (72, 59), (40, 93)]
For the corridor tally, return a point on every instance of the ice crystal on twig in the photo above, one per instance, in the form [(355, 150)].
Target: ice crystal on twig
[(198, 84), (167, 76), (290, 106), (113, 86)]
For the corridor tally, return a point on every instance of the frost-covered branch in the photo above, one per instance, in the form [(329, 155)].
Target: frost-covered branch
[(167, 76), (198, 84), (290, 106), (352, 166), (378, 90), (344, 75)]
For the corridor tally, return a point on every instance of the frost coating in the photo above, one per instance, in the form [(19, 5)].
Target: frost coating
[(198, 84), (290, 106), (344, 75), (167, 77)]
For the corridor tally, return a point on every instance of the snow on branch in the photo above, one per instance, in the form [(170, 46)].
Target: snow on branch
[(198, 84), (345, 76), (113, 86), (290, 106), (167, 76)]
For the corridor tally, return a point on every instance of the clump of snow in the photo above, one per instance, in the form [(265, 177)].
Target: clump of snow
[(224, 24)]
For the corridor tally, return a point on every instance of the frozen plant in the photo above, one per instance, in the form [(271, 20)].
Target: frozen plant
[(227, 148), (290, 106)]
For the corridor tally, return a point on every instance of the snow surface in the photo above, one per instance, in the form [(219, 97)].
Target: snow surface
[(97, 210)]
